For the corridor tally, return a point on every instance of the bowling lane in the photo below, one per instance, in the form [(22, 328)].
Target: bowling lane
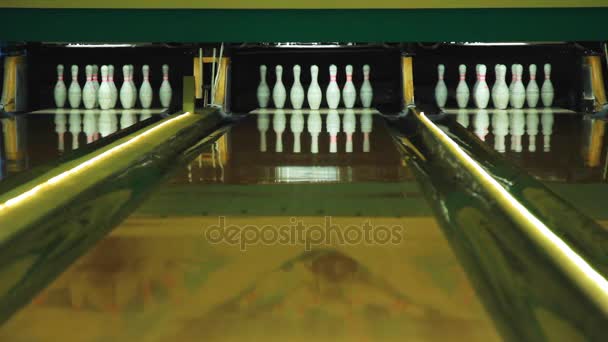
[(255, 241), (567, 151)]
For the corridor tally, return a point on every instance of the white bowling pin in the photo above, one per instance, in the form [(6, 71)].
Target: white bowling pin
[(349, 127), (366, 93), (513, 77), (500, 90), (296, 94), (441, 91), (145, 90), (165, 92), (297, 127), (89, 92), (517, 94), (113, 89), (482, 93), (126, 94), (104, 95), (532, 91), (333, 128), (133, 86), (474, 89), (74, 92), (546, 91), (279, 94), (314, 94), (332, 93), (95, 80), (263, 92), (278, 125), (349, 93), (314, 125), (462, 90), (60, 91)]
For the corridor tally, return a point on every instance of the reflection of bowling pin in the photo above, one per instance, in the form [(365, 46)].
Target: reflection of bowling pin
[(145, 114), (74, 92), (314, 126), (89, 93), (278, 91), (127, 119), (532, 128), (263, 123), (462, 90), (60, 128), (90, 126), (263, 92), (546, 91), (463, 118), (108, 123), (441, 91), (482, 93), (500, 129), (297, 126), (518, 124), (546, 122), (314, 94), (75, 127), (366, 129), (332, 94), (333, 127), (532, 91), (60, 92), (349, 124), (481, 122), (278, 125), (145, 90), (366, 93), (349, 93), (296, 94)]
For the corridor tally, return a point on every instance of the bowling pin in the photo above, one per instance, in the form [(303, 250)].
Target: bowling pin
[(349, 93), (113, 89), (476, 84), (297, 127), (165, 93), (95, 80), (349, 127), (74, 92), (546, 91), (263, 92), (517, 94), (333, 128), (500, 90), (314, 125), (279, 94), (296, 94), (126, 95), (89, 92), (513, 77), (314, 94), (482, 93), (145, 90), (60, 91), (441, 91), (332, 93), (366, 93), (133, 86), (462, 90), (532, 91), (104, 95), (278, 126)]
